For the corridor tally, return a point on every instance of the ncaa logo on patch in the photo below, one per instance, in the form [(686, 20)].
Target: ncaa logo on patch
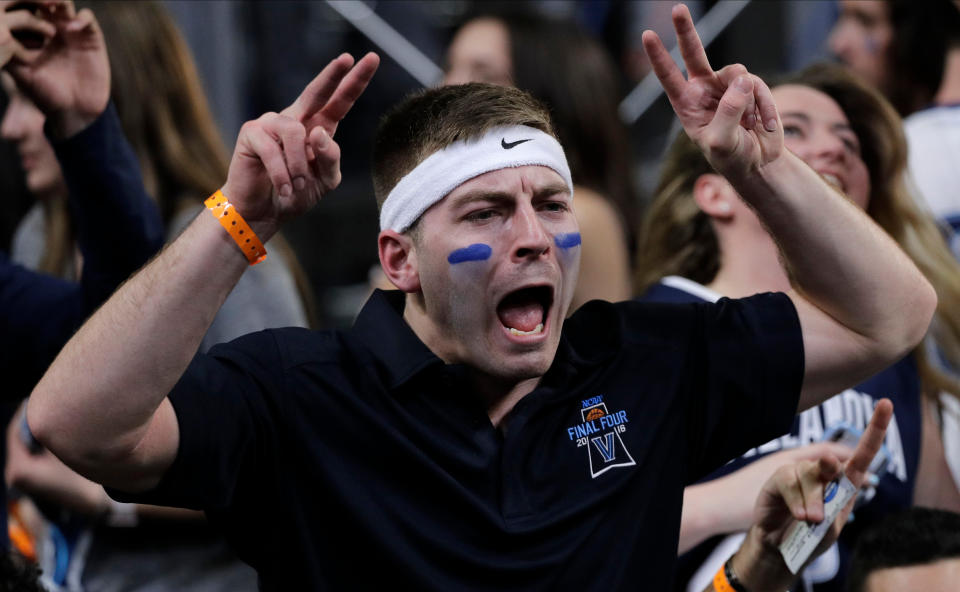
[(600, 433)]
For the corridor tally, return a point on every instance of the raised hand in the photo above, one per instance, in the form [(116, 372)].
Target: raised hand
[(69, 80), (729, 113), (795, 492), (285, 162)]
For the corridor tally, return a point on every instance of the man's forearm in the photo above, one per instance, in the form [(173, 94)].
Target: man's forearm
[(842, 262), (139, 343)]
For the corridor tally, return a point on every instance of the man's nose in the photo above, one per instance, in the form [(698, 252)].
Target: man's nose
[(531, 238)]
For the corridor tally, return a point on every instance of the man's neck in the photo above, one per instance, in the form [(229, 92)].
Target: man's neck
[(949, 93), (499, 395)]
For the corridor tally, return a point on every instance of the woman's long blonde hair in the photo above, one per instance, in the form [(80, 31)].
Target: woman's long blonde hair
[(166, 117), (676, 238)]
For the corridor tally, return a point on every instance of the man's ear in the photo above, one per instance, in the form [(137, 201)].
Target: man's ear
[(714, 196), (399, 260)]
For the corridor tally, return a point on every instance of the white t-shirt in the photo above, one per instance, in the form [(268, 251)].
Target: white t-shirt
[(933, 137)]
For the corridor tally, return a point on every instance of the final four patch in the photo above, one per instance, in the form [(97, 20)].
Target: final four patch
[(600, 435)]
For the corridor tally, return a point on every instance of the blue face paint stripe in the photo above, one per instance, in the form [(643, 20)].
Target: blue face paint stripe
[(567, 241), (474, 252)]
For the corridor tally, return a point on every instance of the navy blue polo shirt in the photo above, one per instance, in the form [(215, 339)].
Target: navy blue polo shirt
[(340, 460)]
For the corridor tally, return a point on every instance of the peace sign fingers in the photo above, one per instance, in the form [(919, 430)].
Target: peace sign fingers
[(331, 95), (314, 97), (347, 93)]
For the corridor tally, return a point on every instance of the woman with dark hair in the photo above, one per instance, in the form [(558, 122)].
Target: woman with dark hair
[(572, 74), (700, 242)]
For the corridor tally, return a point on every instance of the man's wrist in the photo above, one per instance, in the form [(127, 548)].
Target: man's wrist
[(237, 227), (214, 231), (264, 228), (759, 566)]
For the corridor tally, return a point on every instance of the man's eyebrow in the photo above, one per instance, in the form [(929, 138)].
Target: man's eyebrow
[(501, 196), (552, 189), (481, 195)]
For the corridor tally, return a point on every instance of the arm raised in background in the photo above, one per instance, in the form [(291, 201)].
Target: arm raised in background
[(118, 225), (862, 303), (725, 505), (102, 406), (69, 79)]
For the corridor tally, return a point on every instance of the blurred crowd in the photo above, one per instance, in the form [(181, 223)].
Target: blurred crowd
[(869, 96)]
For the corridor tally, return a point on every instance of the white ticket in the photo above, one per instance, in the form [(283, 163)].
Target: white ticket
[(803, 538)]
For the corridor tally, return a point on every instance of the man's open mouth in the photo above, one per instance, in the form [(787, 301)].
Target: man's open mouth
[(524, 312)]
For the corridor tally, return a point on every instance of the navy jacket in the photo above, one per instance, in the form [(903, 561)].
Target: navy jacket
[(118, 229)]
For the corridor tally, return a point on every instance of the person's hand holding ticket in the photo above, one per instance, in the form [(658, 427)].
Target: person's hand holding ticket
[(802, 509)]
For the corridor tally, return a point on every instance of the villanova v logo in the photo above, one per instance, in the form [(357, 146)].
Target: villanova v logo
[(605, 446), (600, 433)]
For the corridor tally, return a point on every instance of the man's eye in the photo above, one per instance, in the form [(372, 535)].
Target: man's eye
[(480, 216), (555, 206), (792, 130)]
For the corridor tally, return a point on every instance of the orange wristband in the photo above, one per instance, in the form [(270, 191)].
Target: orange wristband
[(726, 581), (237, 227), (720, 583)]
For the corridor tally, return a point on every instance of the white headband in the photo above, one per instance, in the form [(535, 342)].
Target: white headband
[(444, 170)]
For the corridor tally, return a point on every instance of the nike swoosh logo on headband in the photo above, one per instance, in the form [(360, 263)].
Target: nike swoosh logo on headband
[(508, 145)]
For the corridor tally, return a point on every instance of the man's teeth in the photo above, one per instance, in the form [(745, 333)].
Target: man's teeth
[(537, 329)]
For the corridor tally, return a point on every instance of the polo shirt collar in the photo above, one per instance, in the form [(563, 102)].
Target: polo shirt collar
[(383, 331)]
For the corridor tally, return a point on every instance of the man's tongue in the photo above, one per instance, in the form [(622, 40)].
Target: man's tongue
[(521, 314)]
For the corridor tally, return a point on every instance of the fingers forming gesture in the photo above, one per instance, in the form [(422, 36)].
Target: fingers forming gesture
[(796, 491), (17, 29), (68, 78), (729, 113), (285, 162)]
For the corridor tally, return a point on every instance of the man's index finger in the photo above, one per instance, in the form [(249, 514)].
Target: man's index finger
[(351, 87), (870, 442)]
